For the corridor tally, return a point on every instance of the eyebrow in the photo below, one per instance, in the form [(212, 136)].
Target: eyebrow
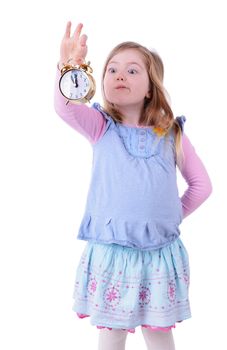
[(131, 62)]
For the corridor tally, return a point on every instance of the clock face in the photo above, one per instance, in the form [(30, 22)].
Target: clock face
[(74, 84)]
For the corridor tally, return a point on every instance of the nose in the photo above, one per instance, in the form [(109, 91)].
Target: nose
[(121, 77)]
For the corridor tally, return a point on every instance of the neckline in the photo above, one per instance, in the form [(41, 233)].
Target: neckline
[(150, 129), (135, 126)]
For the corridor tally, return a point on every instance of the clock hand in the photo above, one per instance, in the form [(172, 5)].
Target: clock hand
[(74, 79)]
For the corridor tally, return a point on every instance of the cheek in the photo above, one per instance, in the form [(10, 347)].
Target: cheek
[(147, 89), (106, 86)]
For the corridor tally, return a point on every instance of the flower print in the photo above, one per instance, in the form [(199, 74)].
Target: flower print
[(186, 279), (112, 296), (92, 286), (171, 291), (144, 296)]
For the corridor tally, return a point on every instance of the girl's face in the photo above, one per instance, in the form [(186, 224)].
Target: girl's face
[(126, 81)]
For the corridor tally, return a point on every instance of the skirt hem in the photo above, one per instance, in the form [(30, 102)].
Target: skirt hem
[(133, 329)]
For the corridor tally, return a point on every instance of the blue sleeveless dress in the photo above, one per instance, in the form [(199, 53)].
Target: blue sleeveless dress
[(134, 270)]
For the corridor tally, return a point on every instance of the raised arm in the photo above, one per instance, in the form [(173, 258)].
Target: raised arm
[(87, 121), (197, 178)]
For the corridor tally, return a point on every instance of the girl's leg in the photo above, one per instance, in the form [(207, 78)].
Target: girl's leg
[(158, 340), (112, 339)]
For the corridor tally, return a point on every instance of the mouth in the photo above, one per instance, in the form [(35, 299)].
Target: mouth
[(120, 87)]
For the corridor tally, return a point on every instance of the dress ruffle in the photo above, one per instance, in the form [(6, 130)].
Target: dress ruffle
[(106, 230), (132, 330), (181, 120)]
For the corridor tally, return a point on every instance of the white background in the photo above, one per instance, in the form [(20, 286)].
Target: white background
[(45, 165)]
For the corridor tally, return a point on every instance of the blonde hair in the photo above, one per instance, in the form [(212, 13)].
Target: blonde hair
[(156, 112)]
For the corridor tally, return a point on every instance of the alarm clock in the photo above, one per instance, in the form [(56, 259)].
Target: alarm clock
[(76, 83)]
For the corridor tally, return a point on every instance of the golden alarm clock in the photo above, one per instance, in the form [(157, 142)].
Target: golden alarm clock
[(76, 83)]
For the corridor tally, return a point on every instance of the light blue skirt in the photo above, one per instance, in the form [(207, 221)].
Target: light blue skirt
[(122, 287)]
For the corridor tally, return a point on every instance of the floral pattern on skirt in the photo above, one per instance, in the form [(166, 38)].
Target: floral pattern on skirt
[(123, 287)]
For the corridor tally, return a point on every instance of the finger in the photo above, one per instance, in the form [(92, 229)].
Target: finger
[(77, 32), (68, 30), (83, 40)]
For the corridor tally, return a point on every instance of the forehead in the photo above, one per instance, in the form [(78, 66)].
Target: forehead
[(128, 55)]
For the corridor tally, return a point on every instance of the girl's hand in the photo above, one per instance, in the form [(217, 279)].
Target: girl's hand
[(73, 49)]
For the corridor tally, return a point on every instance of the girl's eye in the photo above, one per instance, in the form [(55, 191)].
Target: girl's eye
[(132, 71), (112, 70)]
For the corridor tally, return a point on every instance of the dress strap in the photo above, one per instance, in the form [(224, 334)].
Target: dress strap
[(99, 108), (180, 121)]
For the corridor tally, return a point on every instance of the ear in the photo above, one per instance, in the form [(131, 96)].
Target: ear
[(148, 94)]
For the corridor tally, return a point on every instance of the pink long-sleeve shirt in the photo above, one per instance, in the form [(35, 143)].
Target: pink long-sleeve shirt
[(90, 123)]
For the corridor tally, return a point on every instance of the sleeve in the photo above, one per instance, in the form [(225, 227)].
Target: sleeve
[(196, 176), (88, 121)]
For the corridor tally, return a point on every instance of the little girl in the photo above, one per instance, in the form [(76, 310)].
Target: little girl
[(134, 270)]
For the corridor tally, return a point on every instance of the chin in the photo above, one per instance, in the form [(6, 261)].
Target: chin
[(120, 102)]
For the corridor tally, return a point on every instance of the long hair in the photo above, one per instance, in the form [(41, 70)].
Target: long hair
[(156, 112)]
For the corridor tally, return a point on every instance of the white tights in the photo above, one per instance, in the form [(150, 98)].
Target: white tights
[(115, 339)]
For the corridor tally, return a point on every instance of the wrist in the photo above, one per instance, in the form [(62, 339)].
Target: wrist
[(69, 61)]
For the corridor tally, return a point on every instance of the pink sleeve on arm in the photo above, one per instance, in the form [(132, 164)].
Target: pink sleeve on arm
[(195, 174), (87, 121)]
